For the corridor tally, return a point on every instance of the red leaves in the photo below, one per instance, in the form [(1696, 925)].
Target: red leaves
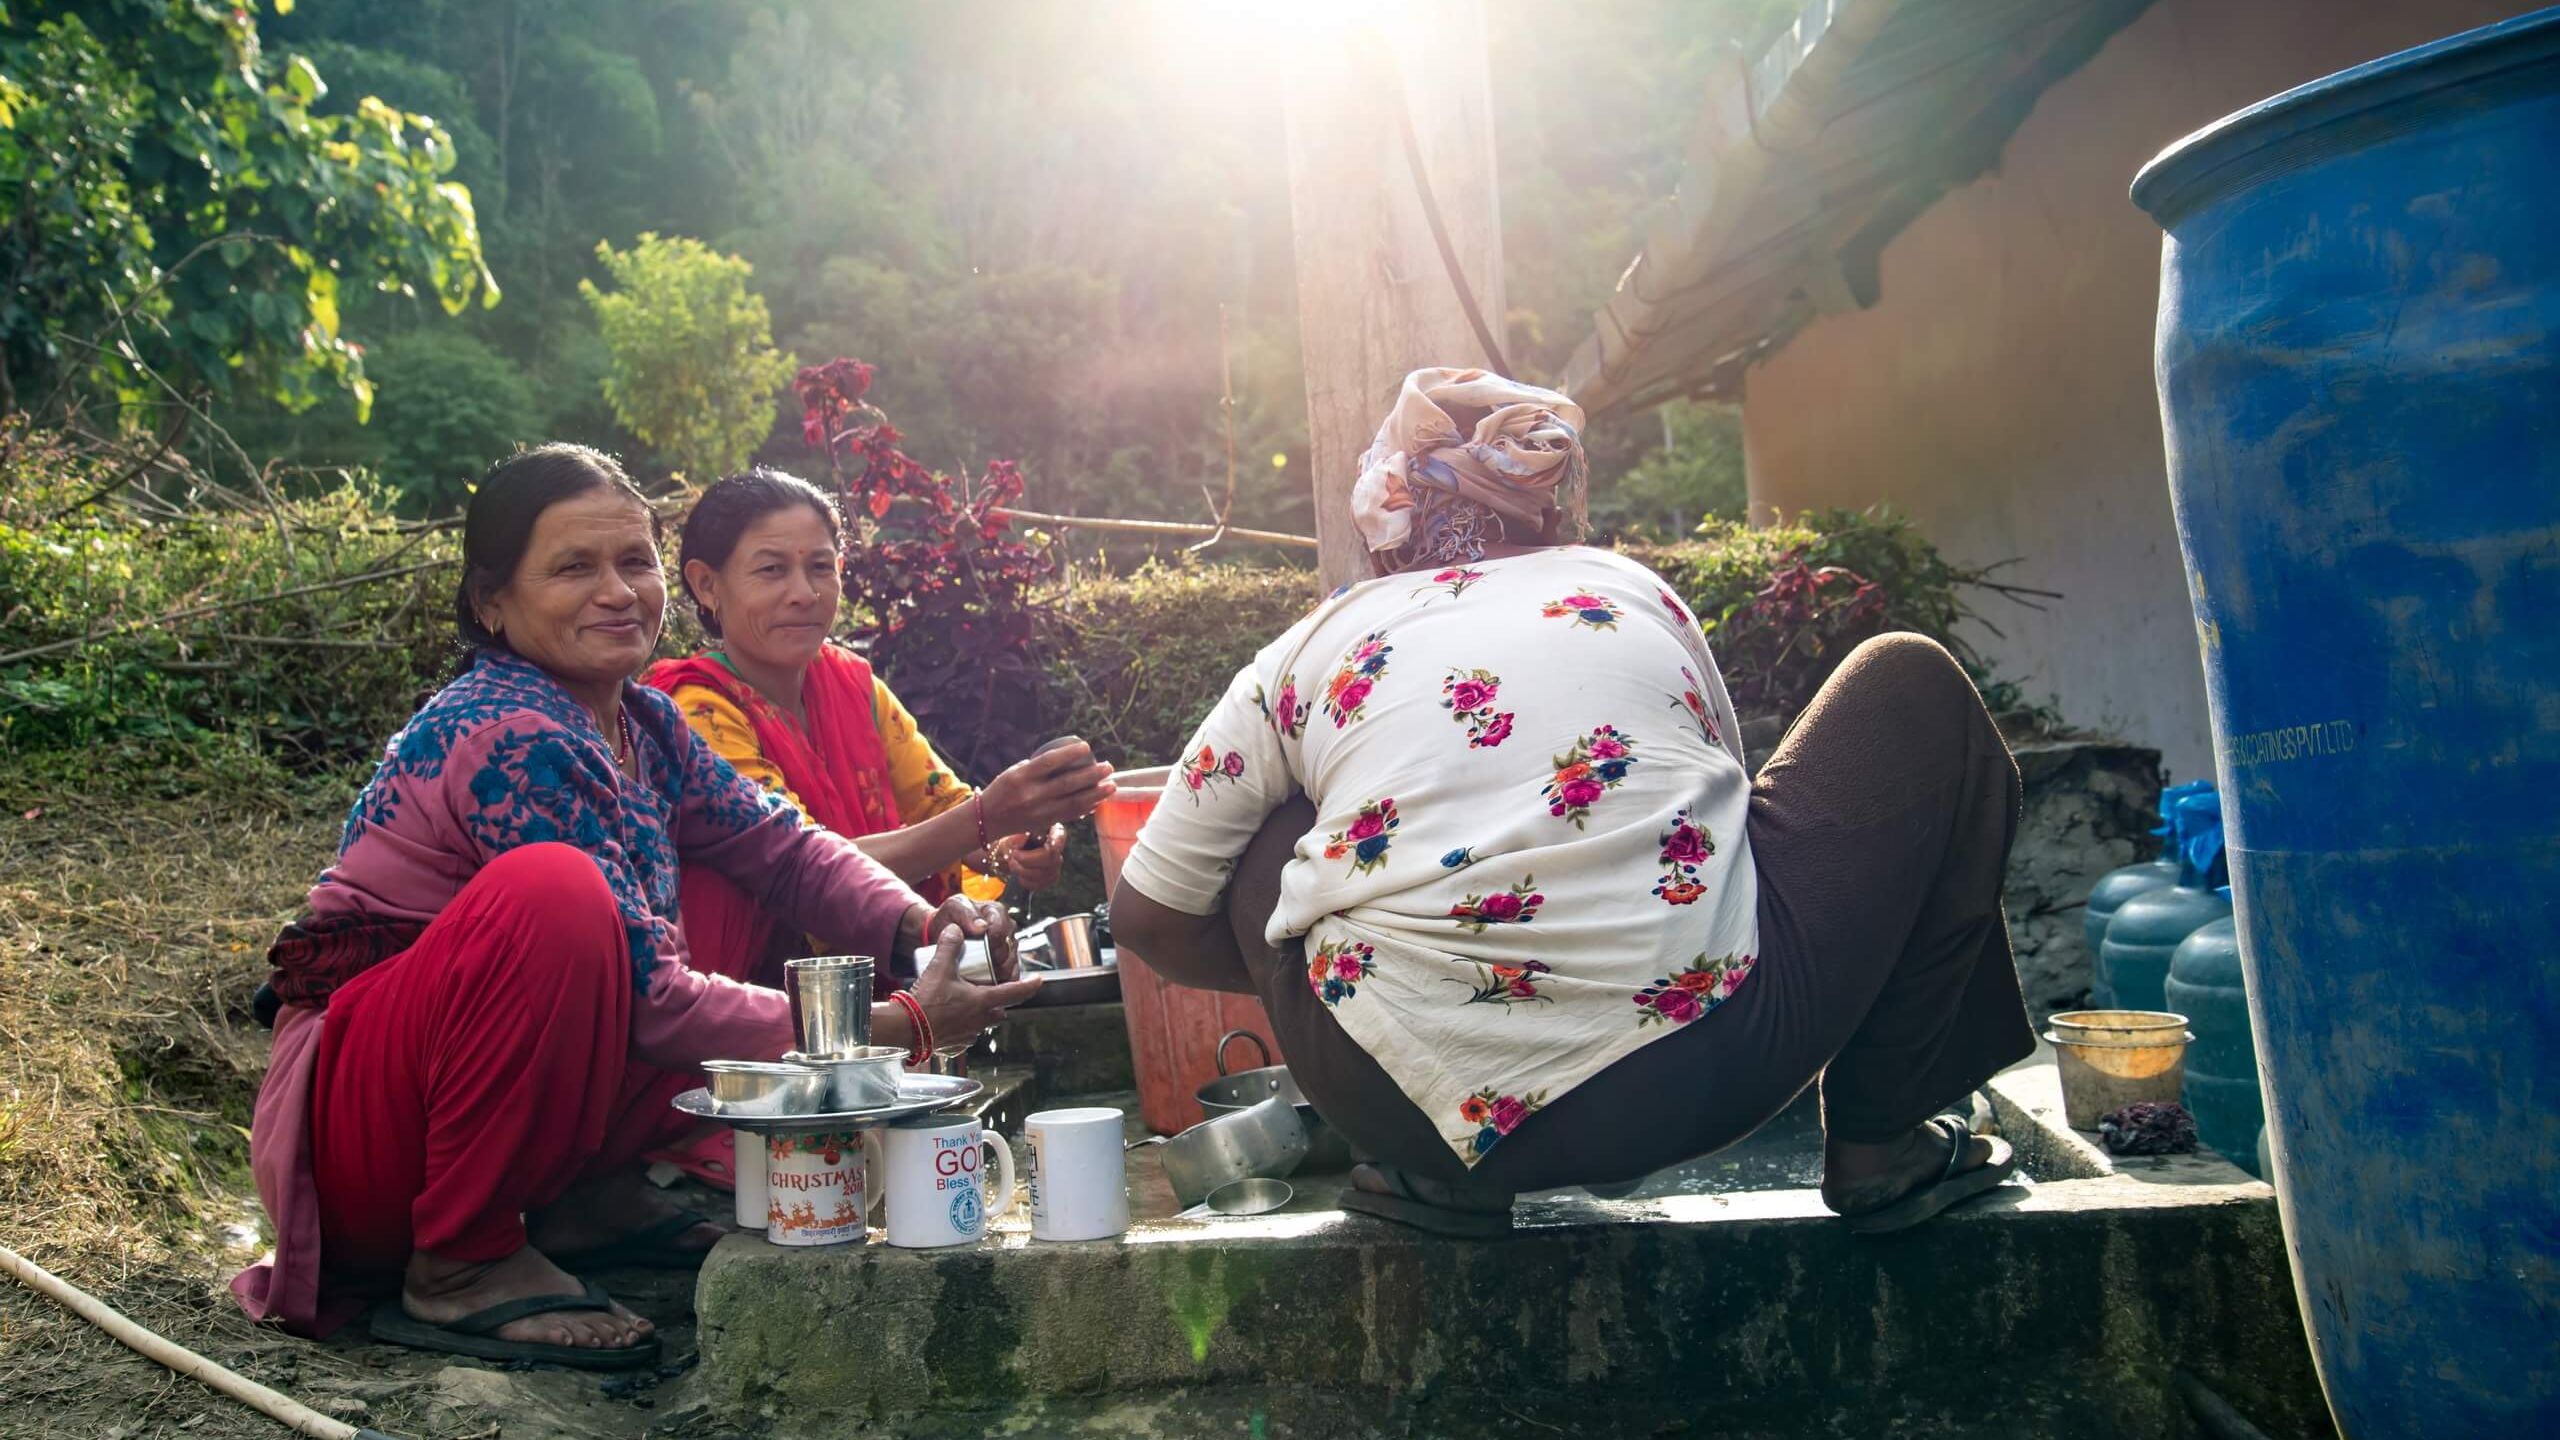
[(948, 588), (1798, 622)]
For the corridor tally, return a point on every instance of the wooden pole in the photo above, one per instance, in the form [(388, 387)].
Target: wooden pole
[(1374, 300)]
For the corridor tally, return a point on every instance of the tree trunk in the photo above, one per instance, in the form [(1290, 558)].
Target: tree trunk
[(1374, 299)]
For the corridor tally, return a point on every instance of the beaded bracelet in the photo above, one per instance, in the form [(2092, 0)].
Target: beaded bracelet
[(922, 1050), (978, 804)]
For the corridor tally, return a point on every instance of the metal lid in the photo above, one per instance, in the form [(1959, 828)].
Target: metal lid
[(2269, 138)]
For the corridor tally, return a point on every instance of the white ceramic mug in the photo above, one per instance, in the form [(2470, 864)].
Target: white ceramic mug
[(817, 1189), (1078, 1173), (929, 1175), (747, 1169)]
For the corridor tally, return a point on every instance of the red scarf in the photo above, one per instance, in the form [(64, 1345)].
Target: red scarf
[(838, 766)]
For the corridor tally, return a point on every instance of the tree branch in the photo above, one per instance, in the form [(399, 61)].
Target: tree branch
[(196, 612), (1157, 527), (130, 474)]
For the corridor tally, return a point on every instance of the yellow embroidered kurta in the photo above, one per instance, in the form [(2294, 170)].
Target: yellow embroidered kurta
[(918, 781)]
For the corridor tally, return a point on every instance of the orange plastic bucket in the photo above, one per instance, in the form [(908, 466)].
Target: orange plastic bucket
[(1173, 1029)]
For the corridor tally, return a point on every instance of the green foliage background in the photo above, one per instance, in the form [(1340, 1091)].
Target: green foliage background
[(692, 366), (1133, 658), (1031, 217), (186, 214)]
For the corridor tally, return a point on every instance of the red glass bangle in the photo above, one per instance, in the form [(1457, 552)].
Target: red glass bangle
[(922, 1048)]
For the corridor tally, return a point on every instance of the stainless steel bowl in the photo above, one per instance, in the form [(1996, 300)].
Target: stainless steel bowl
[(763, 1088), (863, 1080), (1257, 1196)]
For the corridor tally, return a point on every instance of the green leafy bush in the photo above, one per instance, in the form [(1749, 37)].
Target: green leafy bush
[(694, 369), (184, 642), (1138, 659), (1694, 477), (1784, 604), (1130, 660), (450, 404), (179, 204)]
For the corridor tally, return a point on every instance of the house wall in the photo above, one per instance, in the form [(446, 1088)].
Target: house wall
[(2000, 391)]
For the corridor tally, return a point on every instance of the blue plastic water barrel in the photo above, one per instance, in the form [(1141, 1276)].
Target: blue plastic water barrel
[(2359, 364)]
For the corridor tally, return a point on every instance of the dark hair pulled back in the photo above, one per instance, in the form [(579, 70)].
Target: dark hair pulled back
[(499, 522), (729, 509)]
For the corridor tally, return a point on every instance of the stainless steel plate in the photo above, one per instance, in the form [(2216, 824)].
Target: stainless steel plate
[(917, 1095), (1095, 986)]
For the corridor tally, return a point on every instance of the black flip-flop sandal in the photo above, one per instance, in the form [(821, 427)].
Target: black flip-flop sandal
[(646, 1248), (1953, 1187), (475, 1334), (1410, 1202)]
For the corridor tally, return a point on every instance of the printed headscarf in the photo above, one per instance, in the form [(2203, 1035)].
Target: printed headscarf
[(1528, 446)]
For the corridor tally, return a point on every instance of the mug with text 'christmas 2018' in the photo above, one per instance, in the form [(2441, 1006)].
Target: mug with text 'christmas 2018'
[(817, 1189)]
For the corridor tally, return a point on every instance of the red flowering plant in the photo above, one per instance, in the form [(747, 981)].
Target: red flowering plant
[(1784, 603), (1797, 625), (934, 565)]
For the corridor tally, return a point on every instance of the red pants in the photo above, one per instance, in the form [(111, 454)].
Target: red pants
[(479, 1073)]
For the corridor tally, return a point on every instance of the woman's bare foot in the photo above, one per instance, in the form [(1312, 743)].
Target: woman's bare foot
[(1857, 1177), (596, 1213), (440, 1292)]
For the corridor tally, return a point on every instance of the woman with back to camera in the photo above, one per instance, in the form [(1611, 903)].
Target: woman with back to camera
[(1479, 833)]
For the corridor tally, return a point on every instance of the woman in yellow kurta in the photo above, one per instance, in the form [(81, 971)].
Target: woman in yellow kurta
[(807, 719), (916, 782)]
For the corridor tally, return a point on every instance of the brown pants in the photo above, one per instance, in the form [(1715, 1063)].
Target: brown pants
[(1880, 830)]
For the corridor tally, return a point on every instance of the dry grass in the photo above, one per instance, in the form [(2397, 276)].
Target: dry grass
[(132, 934), (132, 931)]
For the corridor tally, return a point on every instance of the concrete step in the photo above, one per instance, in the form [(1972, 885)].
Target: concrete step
[(2000, 1406), (2094, 1282)]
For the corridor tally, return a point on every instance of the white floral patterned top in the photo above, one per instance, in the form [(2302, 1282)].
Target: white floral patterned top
[(1529, 858)]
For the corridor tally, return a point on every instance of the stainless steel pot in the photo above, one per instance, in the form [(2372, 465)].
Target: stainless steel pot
[(1262, 1140), (1328, 1153)]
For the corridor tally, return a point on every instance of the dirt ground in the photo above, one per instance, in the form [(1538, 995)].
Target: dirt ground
[(132, 928)]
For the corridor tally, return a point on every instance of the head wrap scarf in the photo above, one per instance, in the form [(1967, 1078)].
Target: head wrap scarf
[(1528, 446)]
